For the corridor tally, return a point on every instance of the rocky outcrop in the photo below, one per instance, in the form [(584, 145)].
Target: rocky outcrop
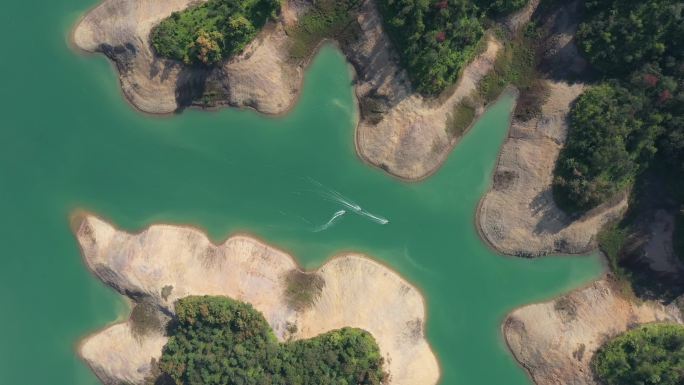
[(164, 263), (556, 340), (399, 131), (518, 215)]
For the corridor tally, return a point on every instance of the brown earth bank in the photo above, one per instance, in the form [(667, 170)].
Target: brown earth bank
[(165, 263), (556, 340), (399, 131)]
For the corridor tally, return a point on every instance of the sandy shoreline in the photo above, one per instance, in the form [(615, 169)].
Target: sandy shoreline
[(248, 270)]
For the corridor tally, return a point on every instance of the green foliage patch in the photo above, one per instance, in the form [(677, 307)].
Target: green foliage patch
[(516, 65), (635, 119), (219, 341), (435, 39), (212, 31), (649, 355), (596, 161), (620, 36)]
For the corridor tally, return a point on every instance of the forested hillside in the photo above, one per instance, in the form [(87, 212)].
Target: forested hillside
[(436, 39), (649, 355), (633, 120)]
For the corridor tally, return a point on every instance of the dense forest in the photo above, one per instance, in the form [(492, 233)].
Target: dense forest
[(633, 120), (649, 355), (218, 341), (598, 160), (436, 39), (213, 31)]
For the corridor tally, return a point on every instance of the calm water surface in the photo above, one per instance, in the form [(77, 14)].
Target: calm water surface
[(68, 140)]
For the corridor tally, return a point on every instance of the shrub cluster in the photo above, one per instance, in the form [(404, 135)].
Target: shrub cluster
[(621, 36)]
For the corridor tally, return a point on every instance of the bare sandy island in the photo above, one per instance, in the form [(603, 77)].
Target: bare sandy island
[(399, 131), (165, 263), (555, 341)]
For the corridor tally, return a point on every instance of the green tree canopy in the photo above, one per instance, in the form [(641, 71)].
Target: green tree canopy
[(649, 355), (634, 120), (435, 39), (596, 162), (212, 31), (621, 36), (218, 341)]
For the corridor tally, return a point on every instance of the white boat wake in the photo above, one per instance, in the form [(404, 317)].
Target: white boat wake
[(331, 222), (374, 218), (340, 199)]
